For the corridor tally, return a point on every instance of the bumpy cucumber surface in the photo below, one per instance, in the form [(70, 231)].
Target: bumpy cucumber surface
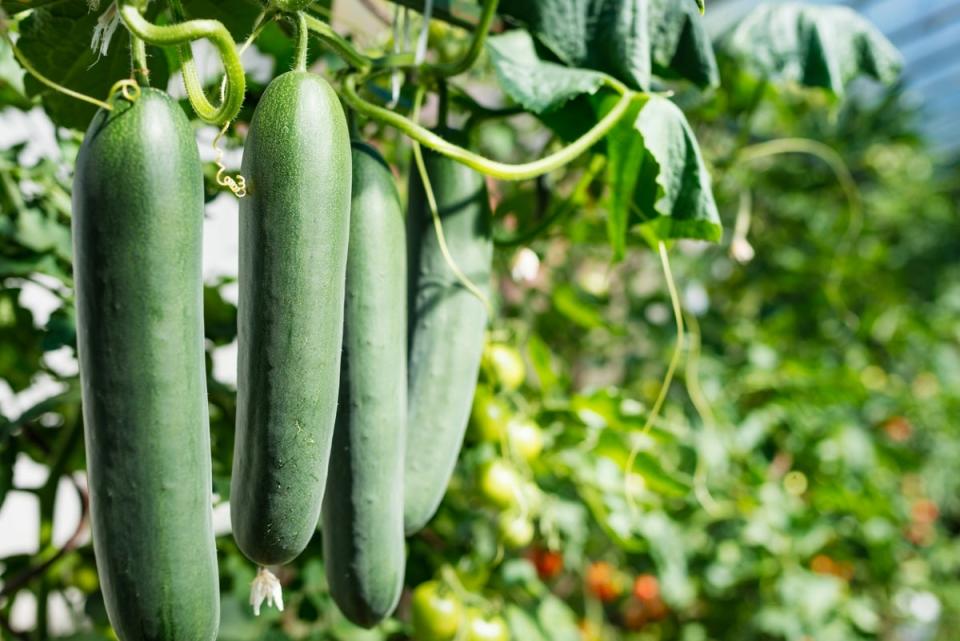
[(294, 225), (363, 506), (446, 328), (137, 225)]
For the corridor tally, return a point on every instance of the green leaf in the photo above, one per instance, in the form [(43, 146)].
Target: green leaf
[(543, 363), (558, 620), (656, 172), (56, 40), (20, 342), (616, 447), (537, 85), (568, 303), (523, 625), (815, 46), (628, 39), (680, 44)]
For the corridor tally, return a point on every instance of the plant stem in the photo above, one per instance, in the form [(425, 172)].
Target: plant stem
[(180, 35), (338, 44), (503, 171), (473, 51), (138, 61), (303, 42)]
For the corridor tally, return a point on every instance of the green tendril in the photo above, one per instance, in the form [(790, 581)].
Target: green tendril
[(22, 59)]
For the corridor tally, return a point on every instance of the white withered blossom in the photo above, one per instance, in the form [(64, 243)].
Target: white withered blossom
[(525, 266), (107, 24), (741, 250), (265, 587)]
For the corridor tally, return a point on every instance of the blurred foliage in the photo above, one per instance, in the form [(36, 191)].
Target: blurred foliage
[(800, 482)]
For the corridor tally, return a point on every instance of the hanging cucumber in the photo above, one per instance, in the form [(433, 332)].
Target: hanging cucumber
[(363, 506), (446, 327), (294, 224), (137, 225)]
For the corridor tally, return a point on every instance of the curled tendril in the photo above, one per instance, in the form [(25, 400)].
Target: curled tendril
[(127, 88), (237, 185)]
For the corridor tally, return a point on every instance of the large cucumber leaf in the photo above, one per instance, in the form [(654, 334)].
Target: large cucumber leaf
[(658, 178), (629, 39), (539, 86), (815, 46), (57, 41), (656, 173)]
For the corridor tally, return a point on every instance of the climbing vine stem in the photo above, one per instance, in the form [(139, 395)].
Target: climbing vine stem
[(181, 35), (500, 170)]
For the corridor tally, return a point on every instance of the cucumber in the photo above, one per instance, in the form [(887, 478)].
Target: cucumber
[(137, 225), (362, 522), (294, 225), (446, 327)]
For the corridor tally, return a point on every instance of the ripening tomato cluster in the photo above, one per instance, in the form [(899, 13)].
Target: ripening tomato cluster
[(504, 481), (631, 604)]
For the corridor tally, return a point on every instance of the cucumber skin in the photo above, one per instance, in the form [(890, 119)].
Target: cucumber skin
[(362, 522), (294, 225), (137, 227), (446, 327)]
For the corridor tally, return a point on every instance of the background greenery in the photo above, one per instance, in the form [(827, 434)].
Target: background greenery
[(801, 480)]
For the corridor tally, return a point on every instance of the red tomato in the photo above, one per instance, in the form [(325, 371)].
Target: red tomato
[(602, 581), (549, 563), (646, 587)]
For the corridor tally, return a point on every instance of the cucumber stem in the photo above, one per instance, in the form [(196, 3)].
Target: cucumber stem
[(181, 35), (138, 61), (303, 42)]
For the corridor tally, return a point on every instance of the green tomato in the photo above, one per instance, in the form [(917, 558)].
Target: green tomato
[(499, 484), (436, 612), (504, 365), (489, 416), (485, 628), (516, 531), (526, 438)]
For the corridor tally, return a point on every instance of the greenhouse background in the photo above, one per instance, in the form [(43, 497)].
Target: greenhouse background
[(927, 33), (926, 602)]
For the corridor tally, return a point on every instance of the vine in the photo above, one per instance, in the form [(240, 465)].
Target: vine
[(500, 170), (181, 35)]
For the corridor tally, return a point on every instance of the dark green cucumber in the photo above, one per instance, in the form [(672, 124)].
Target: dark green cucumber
[(137, 225), (363, 506), (294, 225), (446, 330)]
